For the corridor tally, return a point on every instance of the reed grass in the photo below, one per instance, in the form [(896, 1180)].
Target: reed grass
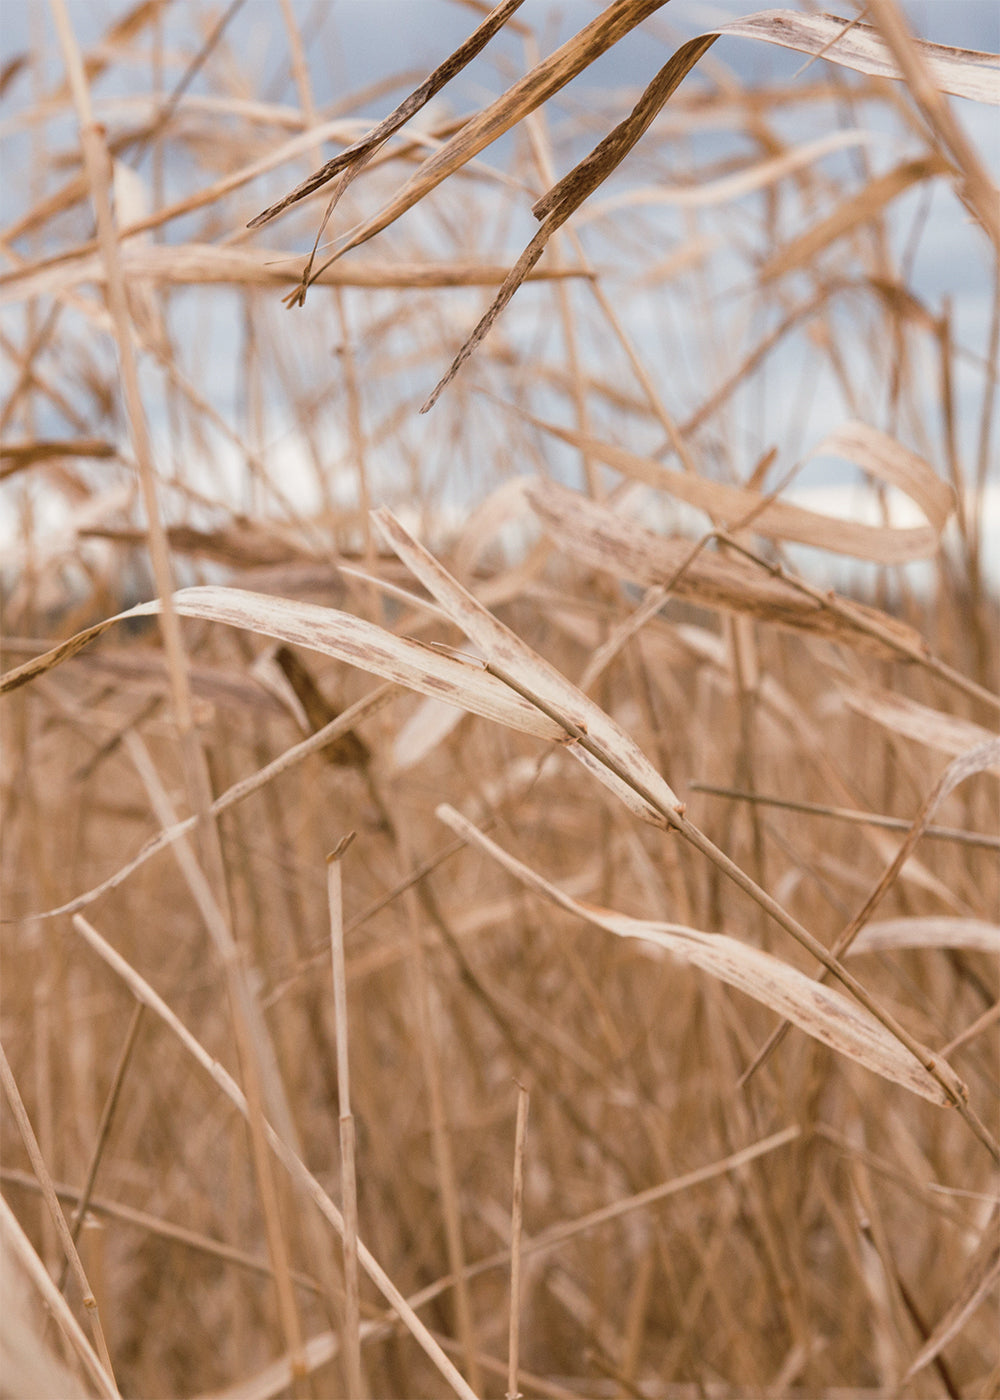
[(477, 563)]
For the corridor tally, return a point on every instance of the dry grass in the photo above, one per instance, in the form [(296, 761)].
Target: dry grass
[(699, 859)]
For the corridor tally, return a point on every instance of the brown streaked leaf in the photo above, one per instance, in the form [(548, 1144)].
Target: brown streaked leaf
[(603, 540), (820, 1011), (960, 72), (878, 453), (506, 652), (350, 639)]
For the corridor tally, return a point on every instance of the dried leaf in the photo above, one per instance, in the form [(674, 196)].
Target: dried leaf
[(602, 540), (241, 543), (960, 72), (523, 98), (505, 651), (929, 931), (943, 732), (820, 1011), (781, 27), (878, 453), (350, 639), (357, 155), (427, 727)]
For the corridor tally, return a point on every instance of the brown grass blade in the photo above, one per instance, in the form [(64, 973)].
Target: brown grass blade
[(556, 206), (517, 102), (878, 453), (357, 155), (602, 540), (508, 655), (829, 1017)]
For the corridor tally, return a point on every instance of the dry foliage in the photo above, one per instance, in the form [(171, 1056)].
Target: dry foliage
[(644, 827)]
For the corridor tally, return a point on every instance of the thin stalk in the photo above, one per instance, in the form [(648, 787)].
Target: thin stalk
[(849, 814), (348, 1173), (104, 1127), (516, 1221)]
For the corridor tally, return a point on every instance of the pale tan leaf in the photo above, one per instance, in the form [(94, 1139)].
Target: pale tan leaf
[(946, 733), (507, 653), (928, 931), (427, 727), (350, 639), (960, 72), (603, 540), (728, 505), (820, 1011), (888, 460)]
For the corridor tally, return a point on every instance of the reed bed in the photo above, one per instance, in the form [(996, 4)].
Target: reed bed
[(489, 909)]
